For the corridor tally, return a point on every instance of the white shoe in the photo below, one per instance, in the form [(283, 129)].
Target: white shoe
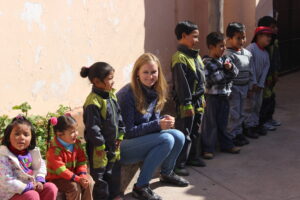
[(269, 126)]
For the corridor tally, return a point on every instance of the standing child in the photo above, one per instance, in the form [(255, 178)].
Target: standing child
[(261, 64), (219, 72), (242, 83), (188, 81), (269, 96), (104, 130), (66, 160), (22, 169)]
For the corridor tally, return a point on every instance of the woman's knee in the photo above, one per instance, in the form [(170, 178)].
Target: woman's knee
[(177, 135), (167, 139)]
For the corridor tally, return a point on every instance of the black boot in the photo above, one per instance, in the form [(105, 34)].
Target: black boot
[(251, 133)]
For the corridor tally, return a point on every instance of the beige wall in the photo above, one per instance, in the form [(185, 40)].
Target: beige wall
[(45, 43)]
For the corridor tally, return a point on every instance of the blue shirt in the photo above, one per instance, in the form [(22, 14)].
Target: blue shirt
[(68, 146)]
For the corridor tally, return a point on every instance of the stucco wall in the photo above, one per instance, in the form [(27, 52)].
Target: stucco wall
[(45, 43)]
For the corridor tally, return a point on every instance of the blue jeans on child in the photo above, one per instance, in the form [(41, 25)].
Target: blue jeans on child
[(154, 149)]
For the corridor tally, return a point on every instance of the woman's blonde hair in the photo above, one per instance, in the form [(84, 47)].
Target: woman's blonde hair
[(160, 86)]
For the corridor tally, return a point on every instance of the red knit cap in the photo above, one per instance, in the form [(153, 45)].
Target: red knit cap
[(263, 29)]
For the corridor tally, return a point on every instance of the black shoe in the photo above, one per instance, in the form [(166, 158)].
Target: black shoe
[(261, 130), (251, 133), (174, 180), (144, 193), (196, 162), (240, 140), (181, 171)]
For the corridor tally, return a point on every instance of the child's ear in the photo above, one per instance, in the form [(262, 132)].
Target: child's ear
[(183, 35)]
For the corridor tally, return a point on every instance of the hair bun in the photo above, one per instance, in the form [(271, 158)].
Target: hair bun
[(84, 71)]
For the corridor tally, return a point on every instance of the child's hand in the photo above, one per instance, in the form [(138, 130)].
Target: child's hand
[(84, 182), (250, 94), (166, 124), (38, 186), (118, 143), (189, 113), (227, 65), (254, 88)]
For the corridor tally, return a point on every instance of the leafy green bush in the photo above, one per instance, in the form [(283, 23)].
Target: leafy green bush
[(39, 122)]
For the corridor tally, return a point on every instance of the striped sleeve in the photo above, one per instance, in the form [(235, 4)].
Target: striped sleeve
[(81, 167)]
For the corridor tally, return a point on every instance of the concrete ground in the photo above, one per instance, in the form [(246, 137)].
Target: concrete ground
[(267, 169)]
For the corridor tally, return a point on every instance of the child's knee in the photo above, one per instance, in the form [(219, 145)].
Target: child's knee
[(50, 189), (31, 195)]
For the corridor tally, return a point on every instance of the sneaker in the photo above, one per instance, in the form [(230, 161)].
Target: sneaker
[(233, 150), (181, 171), (196, 162), (269, 126), (174, 179), (275, 123), (208, 156), (251, 133), (261, 130), (144, 193), (244, 139)]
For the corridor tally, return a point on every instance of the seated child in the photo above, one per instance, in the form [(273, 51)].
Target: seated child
[(66, 160), (22, 169), (219, 72)]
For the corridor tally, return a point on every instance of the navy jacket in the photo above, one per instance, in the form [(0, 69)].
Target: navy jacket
[(136, 123)]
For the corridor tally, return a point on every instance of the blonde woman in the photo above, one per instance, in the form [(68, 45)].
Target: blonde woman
[(149, 136)]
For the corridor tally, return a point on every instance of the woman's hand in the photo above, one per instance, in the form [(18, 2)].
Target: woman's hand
[(167, 122)]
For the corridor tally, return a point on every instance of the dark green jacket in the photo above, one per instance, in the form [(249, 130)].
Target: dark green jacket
[(103, 121), (188, 79)]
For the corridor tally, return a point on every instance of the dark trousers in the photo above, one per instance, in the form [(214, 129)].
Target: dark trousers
[(267, 109), (214, 123), (190, 126), (107, 179)]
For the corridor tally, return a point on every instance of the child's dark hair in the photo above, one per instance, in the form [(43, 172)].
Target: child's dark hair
[(266, 21), (214, 38), (234, 27), (98, 70), (19, 120), (184, 27), (60, 124)]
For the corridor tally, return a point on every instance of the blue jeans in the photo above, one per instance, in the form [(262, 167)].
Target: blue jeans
[(154, 149)]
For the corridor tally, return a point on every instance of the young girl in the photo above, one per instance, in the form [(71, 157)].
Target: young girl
[(103, 131), (22, 169), (66, 160)]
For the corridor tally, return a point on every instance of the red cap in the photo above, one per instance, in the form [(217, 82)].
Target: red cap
[(263, 29)]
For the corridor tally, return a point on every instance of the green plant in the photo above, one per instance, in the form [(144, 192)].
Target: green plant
[(39, 122)]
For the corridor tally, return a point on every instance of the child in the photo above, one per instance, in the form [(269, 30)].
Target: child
[(104, 131), (268, 104), (188, 81), (261, 64), (22, 169), (219, 72), (242, 83), (66, 160)]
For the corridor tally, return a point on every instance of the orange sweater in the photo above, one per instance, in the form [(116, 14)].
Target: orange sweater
[(62, 163)]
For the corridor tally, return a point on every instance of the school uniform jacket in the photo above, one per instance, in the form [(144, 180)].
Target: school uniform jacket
[(188, 79), (103, 126)]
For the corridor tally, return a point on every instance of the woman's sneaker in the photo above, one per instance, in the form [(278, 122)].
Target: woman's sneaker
[(174, 179), (144, 193)]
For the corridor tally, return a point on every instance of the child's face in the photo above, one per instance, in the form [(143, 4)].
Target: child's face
[(148, 74), (20, 136), (190, 40), (264, 39), (218, 49), (69, 135), (107, 83), (238, 40)]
